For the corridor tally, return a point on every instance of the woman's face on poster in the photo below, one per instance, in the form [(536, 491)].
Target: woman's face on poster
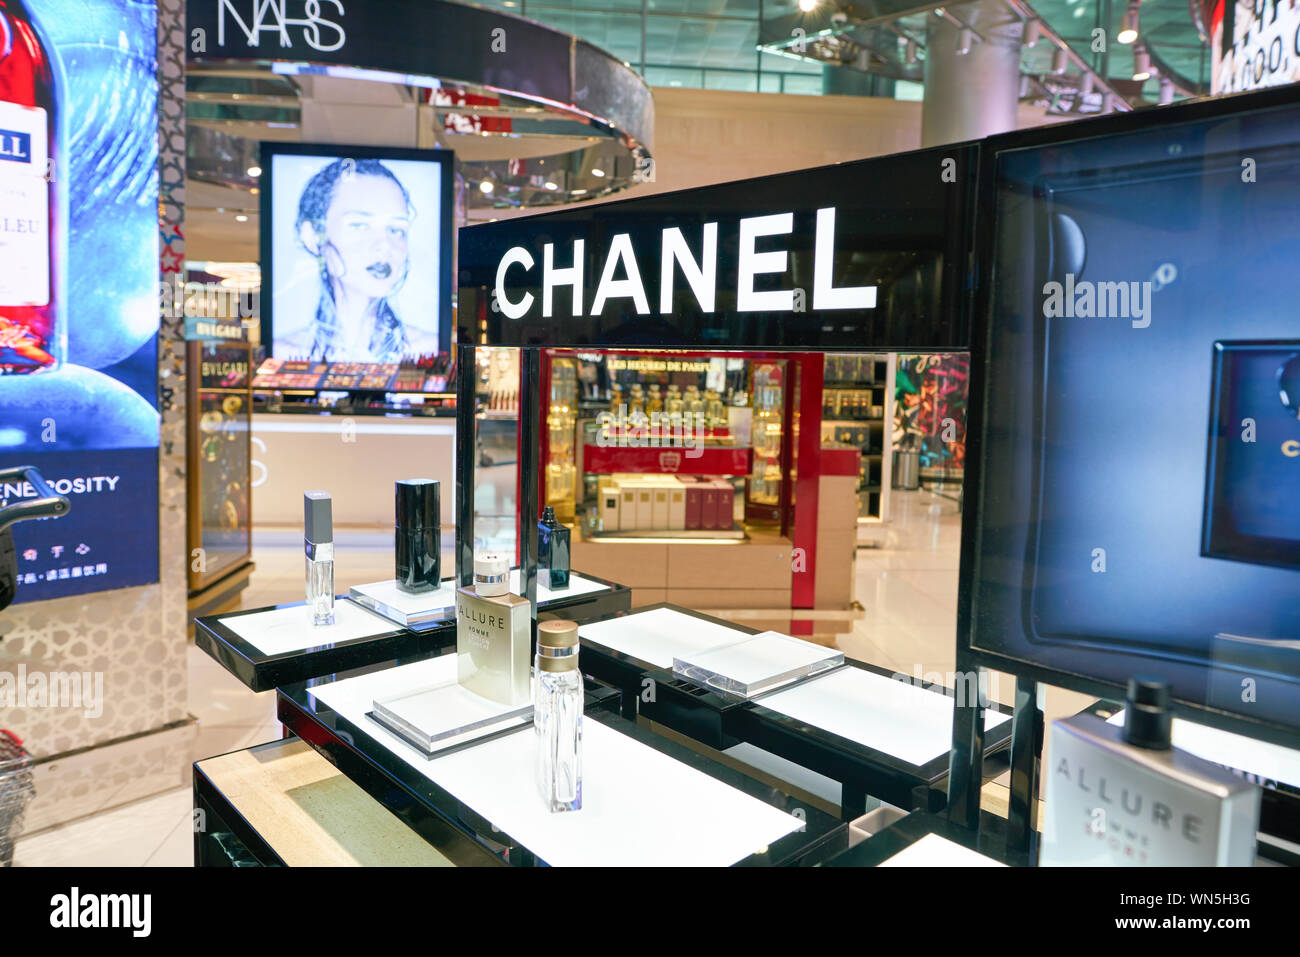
[(366, 231)]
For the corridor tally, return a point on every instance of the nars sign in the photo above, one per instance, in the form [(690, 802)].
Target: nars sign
[(255, 17), (700, 274)]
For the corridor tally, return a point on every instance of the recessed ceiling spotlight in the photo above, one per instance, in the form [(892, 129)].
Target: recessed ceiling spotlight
[(551, 185), (241, 218), (807, 6), (1141, 64), (598, 173), (1128, 31), (486, 186), (254, 171)]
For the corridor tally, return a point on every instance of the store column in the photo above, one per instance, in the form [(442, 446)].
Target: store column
[(972, 76)]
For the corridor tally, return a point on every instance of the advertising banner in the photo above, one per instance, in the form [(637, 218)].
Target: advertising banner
[(79, 295)]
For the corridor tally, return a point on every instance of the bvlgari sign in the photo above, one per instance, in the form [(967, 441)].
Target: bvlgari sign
[(855, 256)]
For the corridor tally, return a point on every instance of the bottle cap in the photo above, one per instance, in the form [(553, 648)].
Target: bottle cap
[(1148, 722), (491, 574), (548, 514), (317, 517), (417, 505), (557, 646)]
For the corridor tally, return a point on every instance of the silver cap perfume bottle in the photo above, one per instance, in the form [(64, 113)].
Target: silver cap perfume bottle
[(557, 715), (1123, 797), (493, 634), (318, 544)]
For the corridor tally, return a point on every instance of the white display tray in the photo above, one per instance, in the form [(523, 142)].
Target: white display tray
[(641, 808), (885, 714), (426, 609), (446, 715), (659, 635), (1272, 762), (756, 664), (282, 630), (935, 851)]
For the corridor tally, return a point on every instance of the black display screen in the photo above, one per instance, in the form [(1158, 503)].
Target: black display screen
[(868, 255), (1137, 508)]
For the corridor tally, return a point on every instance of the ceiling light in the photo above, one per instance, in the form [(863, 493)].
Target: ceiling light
[(254, 190), (486, 186), (1085, 85), (598, 173), (551, 185), (1166, 91), (807, 6), (254, 171), (1128, 31), (1060, 61), (1032, 30), (1141, 64), (241, 218), (911, 52), (965, 37), (1108, 103)]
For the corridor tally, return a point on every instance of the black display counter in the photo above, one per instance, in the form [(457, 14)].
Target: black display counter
[(262, 663), (893, 767)]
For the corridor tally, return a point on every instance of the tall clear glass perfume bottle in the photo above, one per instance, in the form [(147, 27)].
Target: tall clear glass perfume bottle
[(553, 549), (318, 543), (557, 715)]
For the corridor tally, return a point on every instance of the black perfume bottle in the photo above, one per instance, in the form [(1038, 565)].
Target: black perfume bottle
[(418, 535), (553, 549)]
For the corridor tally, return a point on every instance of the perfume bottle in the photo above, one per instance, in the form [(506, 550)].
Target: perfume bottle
[(493, 634), (318, 543), (1124, 797), (553, 549), (557, 716), (417, 535), (33, 234)]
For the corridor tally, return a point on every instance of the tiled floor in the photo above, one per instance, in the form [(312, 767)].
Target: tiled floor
[(908, 588)]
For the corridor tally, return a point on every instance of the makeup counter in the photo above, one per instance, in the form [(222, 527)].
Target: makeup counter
[(512, 710)]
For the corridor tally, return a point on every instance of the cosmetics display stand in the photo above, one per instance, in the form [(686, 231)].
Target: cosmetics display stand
[(266, 647), (857, 724), (647, 800)]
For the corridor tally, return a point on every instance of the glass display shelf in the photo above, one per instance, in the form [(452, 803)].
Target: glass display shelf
[(757, 664), (422, 610), (697, 811), (443, 715), (266, 647)]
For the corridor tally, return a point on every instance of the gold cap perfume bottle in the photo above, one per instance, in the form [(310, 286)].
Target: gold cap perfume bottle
[(493, 634)]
